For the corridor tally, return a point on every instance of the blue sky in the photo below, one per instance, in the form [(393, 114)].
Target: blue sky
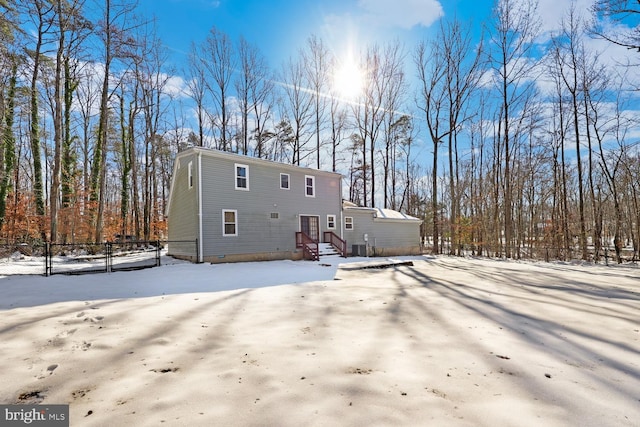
[(280, 27)]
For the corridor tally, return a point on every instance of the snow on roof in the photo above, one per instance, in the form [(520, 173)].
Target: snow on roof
[(391, 214), (380, 213)]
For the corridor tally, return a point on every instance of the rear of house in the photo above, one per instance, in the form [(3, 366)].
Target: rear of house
[(240, 208), (380, 232)]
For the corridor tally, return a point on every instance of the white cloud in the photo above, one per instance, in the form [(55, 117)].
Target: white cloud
[(552, 12), (371, 16), (176, 87), (404, 14)]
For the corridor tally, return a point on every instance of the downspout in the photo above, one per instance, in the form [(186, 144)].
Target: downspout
[(201, 245), (341, 211)]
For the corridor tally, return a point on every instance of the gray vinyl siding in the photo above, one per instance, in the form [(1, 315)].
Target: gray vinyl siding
[(257, 231), (183, 214), (382, 233), (396, 234), (362, 224)]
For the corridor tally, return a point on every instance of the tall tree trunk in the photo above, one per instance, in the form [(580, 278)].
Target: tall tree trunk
[(98, 169), (38, 186), (54, 194), (9, 142), (434, 199), (68, 156)]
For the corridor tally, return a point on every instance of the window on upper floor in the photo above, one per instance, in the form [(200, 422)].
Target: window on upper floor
[(229, 222), (242, 177), (310, 186), (190, 174), (284, 181)]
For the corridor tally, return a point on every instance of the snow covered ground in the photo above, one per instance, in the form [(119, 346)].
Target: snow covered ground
[(445, 342), (17, 263)]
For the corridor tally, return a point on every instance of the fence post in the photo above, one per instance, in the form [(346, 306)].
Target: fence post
[(157, 253), (47, 261), (108, 259)]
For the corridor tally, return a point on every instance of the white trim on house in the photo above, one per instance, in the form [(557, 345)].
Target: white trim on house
[(331, 222), (225, 222), (348, 223), (200, 230), (237, 177), (288, 187), (314, 216), (312, 186)]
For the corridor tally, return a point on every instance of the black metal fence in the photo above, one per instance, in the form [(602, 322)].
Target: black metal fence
[(101, 258), (84, 258)]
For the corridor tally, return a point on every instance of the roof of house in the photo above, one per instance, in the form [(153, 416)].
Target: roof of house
[(210, 152), (380, 213), (253, 160)]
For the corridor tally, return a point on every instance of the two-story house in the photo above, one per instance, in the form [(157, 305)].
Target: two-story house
[(241, 208)]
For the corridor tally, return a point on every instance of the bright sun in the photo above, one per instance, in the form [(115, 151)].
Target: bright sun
[(348, 80)]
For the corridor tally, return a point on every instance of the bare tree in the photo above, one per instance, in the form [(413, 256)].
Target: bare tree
[(431, 65), (569, 51), (516, 26), (337, 120), (396, 129), (219, 61), (87, 96), (152, 81), (113, 31), (42, 12), (197, 89), (316, 62), (461, 77), (621, 13), (252, 89), (72, 28), (613, 161), (297, 106), (383, 69)]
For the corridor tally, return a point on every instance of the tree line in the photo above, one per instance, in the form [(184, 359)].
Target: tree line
[(511, 145)]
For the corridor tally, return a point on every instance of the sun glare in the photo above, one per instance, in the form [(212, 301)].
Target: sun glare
[(348, 80)]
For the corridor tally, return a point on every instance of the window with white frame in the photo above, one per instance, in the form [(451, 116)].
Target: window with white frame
[(190, 174), (310, 186), (331, 222), (284, 181), (348, 223), (242, 177), (229, 222)]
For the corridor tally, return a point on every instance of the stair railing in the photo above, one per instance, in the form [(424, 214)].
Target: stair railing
[(336, 242), (310, 249)]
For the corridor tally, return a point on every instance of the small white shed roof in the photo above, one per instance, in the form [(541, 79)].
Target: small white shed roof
[(381, 214)]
